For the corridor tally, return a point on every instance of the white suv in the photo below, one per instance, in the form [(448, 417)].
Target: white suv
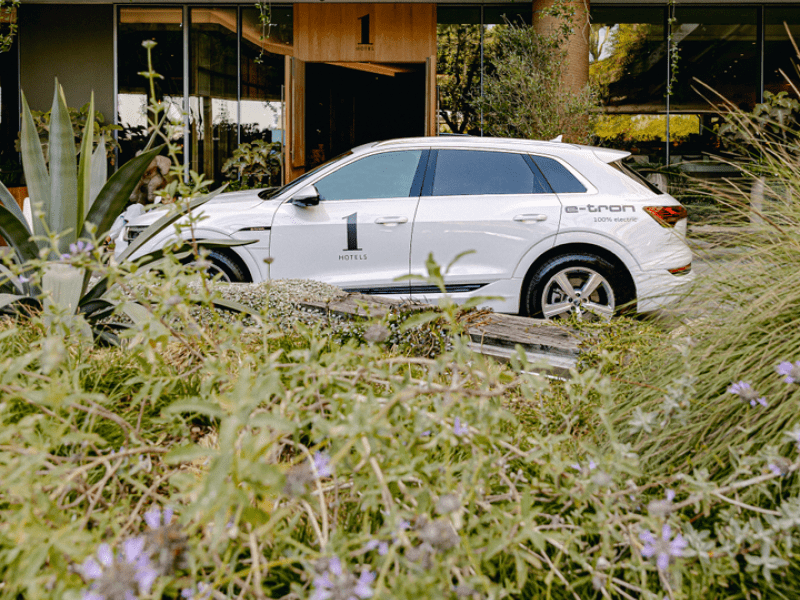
[(549, 228)]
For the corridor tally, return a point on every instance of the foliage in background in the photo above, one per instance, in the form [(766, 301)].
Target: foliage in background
[(221, 459), (526, 97), (255, 164), (79, 119), (620, 131), (458, 65), (8, 24), (774, 121)]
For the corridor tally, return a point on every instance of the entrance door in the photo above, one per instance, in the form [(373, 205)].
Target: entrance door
[(349, 104)]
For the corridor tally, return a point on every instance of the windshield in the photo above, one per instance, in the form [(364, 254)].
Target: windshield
[(272, 192), (620, 166)]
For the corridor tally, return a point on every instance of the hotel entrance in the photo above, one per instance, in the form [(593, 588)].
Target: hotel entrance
[(358, 73), (349, 104)]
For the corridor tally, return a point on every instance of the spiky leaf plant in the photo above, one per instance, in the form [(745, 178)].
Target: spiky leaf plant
[(73, 206)]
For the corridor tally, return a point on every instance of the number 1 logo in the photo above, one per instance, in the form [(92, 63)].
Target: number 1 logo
[(352, 232)]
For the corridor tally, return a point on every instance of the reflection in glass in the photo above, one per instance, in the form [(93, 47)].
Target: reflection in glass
[(163, 25), (779, 54), (213, 95), (460, 66), (628, 66), (263, 69), (717, 46), (10, 169)]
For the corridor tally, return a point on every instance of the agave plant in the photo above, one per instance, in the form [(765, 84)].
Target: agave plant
[(73, 206)]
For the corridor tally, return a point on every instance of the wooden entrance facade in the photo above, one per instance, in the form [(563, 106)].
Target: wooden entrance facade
[(358, 72)]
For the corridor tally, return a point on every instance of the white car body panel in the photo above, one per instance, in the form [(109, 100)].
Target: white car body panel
[(488, 231), (315, 242), (396, 235)]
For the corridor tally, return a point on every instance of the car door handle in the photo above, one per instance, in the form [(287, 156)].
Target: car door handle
[(527, 218), (391, 220)]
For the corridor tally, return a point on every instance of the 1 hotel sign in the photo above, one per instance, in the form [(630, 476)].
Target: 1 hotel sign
[(366, 34)]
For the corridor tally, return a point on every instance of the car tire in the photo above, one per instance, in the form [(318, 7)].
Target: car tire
[(595, 290), (229, 270)]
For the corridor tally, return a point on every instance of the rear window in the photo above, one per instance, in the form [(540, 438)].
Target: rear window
[(623, 168), (559, 178), (478, 172)]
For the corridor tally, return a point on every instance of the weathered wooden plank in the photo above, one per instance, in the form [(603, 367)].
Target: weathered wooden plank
[(485, 329)]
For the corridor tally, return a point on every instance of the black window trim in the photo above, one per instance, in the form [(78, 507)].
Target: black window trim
[(427, 187), (588, 186)]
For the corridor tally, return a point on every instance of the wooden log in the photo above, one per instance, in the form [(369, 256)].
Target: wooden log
[(489, 330)]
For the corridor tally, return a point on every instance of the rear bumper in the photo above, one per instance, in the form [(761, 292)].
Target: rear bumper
[(660, 288)]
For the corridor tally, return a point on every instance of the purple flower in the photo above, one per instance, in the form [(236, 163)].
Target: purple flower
[(125, 576), (336, 583), (153, 517), (664, 549), (775, 469), (382, 546), (746, 393), (300, 476), (661, 508), (460, 428), (322, 464), (78, 248), (203, 591), (165, 542), (591, 466), (792, 371)]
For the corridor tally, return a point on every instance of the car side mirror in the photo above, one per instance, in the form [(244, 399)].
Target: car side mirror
[(307, 196)]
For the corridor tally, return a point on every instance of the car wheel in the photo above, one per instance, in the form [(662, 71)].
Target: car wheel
[(228, 270), (583, 285)]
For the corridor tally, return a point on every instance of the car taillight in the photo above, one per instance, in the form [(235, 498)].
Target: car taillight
[(681, 270), (667, 216)]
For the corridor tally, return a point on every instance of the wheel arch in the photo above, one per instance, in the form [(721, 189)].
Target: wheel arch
[(574, 248), (233, 256), (238, 254)]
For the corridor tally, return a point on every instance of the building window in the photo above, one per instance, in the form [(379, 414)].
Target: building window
[(236, 76), (164, 26), (263, 59), (779, 53), (628, 66), (10, 167), (464, 55), (213, 89)]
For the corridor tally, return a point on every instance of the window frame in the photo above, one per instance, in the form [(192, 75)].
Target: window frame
[(430, 175), (416, 182)]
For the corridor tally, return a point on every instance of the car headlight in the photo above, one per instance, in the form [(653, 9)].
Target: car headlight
[(132, 232)]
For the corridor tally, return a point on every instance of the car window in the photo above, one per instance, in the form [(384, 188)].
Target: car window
[(478, 172), (385, 175), (557, 175)]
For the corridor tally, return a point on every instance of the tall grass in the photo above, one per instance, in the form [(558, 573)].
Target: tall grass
[(741, 321)]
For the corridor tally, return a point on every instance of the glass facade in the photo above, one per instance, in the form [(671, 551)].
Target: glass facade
[(628, 65), (780, 56), (10, 167), (719, 56), (464, 56), (165, 27), (235, 66)]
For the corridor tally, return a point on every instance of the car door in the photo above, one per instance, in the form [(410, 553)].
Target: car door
[(496, 204), (359, 235)]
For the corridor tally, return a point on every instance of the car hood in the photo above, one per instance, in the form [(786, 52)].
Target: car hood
[(228, 207)]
